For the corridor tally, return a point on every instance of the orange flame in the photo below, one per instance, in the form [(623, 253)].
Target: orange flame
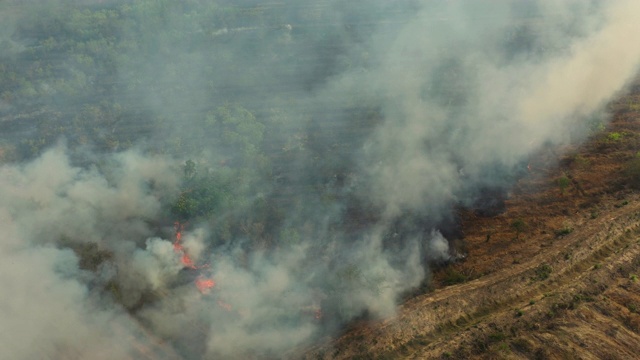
[(204, 285), (178, 248), (186, 261)]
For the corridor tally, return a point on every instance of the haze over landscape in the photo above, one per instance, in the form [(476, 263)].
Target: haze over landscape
[(242, 179)]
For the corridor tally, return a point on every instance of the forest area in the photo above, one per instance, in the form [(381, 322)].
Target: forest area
[(236, 179)]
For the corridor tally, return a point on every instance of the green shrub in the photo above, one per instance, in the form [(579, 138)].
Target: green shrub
[(543, 272), (519, 226), (497, 336), (453, 276), (563, 183), (564, 231), (615, 136), (596, 125), (503, 347)]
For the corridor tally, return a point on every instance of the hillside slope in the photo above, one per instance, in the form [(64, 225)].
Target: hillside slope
[(556, 275)]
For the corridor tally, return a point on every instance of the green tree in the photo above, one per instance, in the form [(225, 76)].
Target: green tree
[(190, 169), (520, 226)]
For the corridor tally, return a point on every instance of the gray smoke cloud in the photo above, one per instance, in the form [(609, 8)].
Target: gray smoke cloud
[(52, 307), (456, 95), (506, 108)]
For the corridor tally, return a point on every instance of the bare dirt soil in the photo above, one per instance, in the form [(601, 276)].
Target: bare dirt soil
[(555, 276)]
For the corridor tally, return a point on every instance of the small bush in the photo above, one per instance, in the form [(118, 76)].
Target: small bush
[(564, 231), (452, 277), (624, 203), (581, 297), (503, 347), (543, 272), (519, 226), (563, 183), (596, 125), (497, 336), (614, 136)]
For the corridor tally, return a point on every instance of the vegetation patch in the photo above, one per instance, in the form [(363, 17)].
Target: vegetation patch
[(581, 162), (543, 272), (453, 276), (566, 230), (615, 136), (563, 183), (520, 226)]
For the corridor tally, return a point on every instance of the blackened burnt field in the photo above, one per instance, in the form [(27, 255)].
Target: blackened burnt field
[(250, 179)]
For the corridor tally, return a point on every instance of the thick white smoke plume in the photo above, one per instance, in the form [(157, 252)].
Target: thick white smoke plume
[(461, 91), (51, 306), (498, 110)]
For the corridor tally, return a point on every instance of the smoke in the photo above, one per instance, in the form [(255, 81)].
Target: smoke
[(499, 106), (52, 305), (330, 142), (438, 248)]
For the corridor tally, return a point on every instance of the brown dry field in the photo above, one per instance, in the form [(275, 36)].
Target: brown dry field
[(566, 286)]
